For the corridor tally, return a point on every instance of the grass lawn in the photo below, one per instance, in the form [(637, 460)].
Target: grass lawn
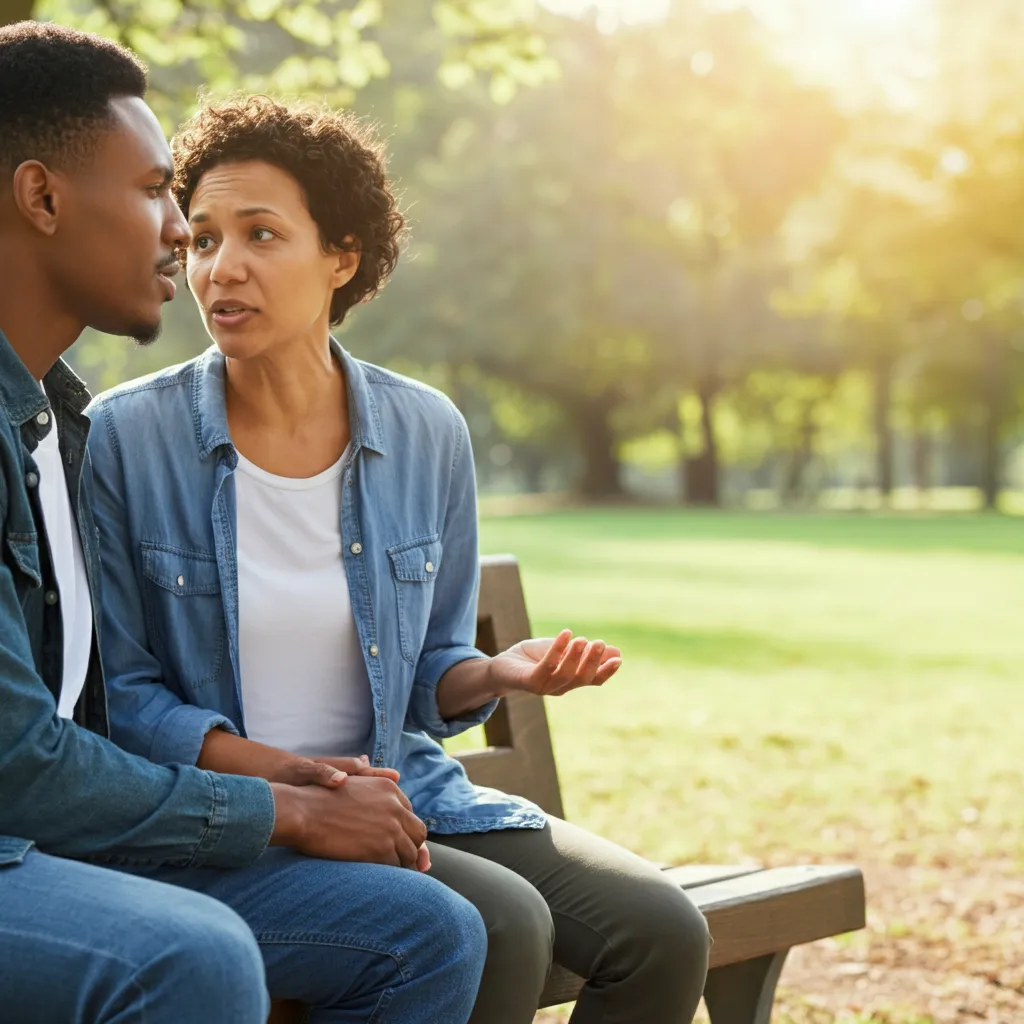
[(810, 688)]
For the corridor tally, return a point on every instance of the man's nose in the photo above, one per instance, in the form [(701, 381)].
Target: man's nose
[(177, 230)]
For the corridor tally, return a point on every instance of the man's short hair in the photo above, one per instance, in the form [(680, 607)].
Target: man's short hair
[(56, 85)]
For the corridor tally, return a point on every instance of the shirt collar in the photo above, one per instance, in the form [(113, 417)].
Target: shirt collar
[(209, 408), (20, 395)]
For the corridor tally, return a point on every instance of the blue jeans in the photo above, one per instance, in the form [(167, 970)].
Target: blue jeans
[(84, 945), (356, 943)]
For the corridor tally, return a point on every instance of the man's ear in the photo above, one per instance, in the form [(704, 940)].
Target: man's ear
[(37, 195)]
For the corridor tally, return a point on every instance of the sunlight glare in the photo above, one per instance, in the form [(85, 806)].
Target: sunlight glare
[(609, 14)]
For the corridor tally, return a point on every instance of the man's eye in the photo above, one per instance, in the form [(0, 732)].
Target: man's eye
[(201, 243)]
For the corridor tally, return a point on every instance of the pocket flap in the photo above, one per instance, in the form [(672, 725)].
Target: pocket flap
[(13, 850), (25, 552), (181, 572), (416, 560)]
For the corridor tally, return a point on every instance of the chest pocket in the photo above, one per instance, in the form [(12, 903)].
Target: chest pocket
[(184, 614), (21, 553), (414, 566)]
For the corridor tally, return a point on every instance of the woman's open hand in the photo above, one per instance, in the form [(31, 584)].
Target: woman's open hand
[(553, 667)]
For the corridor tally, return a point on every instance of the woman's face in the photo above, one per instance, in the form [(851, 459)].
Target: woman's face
[(255, 265)]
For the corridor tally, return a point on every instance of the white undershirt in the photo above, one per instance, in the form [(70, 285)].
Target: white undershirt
[(304, 682), (69, 568)]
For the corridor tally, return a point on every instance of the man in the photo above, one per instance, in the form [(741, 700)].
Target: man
[(88, 234)]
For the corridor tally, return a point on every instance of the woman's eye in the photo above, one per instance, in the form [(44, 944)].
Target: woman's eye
[(262, 234)]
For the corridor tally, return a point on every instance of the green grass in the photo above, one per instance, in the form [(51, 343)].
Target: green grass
[(794, 686)]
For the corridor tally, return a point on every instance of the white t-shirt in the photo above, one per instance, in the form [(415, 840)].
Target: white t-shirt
[(305, 687), (69, 568)]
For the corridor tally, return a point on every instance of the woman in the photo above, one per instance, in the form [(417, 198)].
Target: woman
[(289, 536)]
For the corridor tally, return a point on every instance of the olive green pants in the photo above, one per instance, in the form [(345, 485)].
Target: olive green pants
[(562, 894)]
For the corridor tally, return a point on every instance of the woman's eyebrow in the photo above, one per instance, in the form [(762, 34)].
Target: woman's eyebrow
[(252, 211), (248, 211)]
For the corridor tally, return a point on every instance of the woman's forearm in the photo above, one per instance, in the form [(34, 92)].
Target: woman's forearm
[(465, 687), (234, 755)]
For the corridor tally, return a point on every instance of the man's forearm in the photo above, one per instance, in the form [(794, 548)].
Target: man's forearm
[(465, 687)]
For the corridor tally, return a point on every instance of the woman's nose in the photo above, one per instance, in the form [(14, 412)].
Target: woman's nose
[(228, 264)]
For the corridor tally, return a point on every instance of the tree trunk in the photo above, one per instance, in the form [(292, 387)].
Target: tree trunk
[(15, 10), (883, 424), (992, 427), (701, 473), (602, 476), (922, 459), (794, 487)]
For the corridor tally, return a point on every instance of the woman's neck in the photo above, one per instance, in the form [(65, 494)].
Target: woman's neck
[(287, 409)]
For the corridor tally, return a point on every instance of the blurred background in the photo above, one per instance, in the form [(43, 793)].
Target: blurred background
[(752, 254), (732, 296)]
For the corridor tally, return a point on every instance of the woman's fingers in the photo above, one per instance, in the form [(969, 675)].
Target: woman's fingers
[(320, 774), (606, 671), (423, 858), (595, 669), (549, 664)]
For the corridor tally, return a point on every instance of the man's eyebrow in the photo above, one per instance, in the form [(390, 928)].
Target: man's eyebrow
[(166, 172)]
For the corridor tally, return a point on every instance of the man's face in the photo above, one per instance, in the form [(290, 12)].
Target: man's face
[(118, 228)]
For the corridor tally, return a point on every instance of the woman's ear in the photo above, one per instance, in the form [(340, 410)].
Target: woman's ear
[(345, 261)]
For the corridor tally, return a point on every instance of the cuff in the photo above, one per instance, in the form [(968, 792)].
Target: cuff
[(241, 821), (423, 704), (182, 731)]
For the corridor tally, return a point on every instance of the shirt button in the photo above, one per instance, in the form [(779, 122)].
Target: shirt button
[(181, 581), (31, 479), (43, 418), (374, 651), (50, 597), (429, 567), (356, 549), (380, 759)]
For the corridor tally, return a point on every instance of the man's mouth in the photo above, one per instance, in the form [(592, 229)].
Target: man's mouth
[(165, 271)]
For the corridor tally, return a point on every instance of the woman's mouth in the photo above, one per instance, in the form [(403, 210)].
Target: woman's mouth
[(231, 314)]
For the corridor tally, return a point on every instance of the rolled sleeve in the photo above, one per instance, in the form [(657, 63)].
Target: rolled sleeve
[(432, 667), (179, 737)]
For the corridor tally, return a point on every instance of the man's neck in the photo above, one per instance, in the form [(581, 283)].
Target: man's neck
[(32, 319)]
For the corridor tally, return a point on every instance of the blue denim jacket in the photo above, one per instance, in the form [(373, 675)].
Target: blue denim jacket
[(164, 466), (63, 785)]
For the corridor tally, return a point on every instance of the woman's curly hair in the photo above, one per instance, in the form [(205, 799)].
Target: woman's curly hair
[(335, 158)]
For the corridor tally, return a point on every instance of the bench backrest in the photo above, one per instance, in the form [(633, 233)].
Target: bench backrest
[(518, 758)]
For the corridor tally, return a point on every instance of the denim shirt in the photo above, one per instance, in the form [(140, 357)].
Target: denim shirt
[(164, 466), (63, 785)]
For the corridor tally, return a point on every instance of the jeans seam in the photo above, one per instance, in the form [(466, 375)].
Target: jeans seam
[(381, 1008), (346, 941)]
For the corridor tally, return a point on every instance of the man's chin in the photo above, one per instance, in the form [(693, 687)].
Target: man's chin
[(144, 334)]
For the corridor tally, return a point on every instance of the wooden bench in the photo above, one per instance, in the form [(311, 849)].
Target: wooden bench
[(755, 916)]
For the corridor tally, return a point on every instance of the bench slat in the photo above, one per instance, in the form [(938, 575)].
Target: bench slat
[(773, 910)]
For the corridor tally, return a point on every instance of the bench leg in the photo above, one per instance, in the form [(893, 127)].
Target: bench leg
[(743, 993)]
